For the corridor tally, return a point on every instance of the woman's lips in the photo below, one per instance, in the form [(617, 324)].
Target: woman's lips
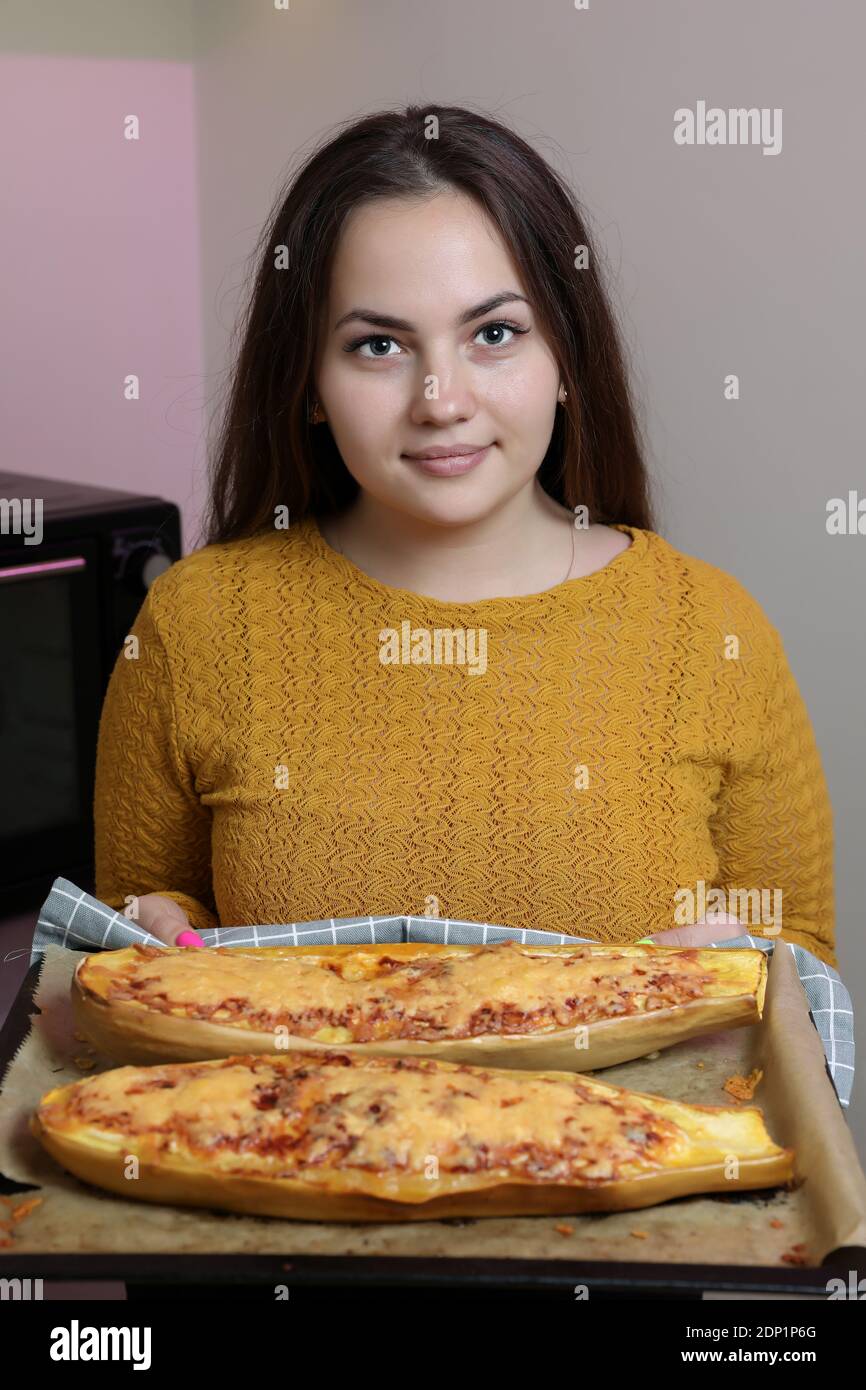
[(450, 465)]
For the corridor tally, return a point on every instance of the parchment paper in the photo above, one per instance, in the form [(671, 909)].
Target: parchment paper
[(826, 1208)]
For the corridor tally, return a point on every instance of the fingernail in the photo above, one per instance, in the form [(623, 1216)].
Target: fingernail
[(644, 940), (189, 938)]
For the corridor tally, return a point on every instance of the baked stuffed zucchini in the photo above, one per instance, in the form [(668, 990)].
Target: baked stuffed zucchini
[(572, 1007), (342, 1136)]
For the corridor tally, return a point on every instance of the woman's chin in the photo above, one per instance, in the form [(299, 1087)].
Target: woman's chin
[(450, 503)]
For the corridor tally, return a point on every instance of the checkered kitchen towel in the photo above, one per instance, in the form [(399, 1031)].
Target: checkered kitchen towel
[(72, 918)]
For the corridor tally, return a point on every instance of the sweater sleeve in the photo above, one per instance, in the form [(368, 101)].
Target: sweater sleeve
[(152, 834), (773, 828)]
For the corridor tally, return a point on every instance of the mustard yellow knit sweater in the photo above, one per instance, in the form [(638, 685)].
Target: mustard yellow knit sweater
[(290, 739)]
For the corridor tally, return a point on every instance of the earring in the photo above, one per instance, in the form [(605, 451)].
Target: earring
[(315, 417), (563, 395)]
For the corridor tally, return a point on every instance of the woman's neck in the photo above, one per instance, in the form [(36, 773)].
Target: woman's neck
[(527, 546)]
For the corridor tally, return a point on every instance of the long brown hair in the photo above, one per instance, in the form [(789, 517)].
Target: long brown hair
[(268, 454)]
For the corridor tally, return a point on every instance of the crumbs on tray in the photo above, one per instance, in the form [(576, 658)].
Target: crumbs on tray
[(743, 1087), (16, 1213)]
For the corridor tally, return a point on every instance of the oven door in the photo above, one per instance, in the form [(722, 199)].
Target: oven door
[(51, 686)]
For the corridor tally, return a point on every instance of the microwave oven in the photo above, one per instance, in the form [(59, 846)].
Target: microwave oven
[(75, 564)]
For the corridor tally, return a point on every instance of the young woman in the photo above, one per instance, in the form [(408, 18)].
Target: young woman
[(433, 657)]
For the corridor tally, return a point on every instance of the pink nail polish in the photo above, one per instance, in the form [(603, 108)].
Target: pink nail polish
[(189, 938)]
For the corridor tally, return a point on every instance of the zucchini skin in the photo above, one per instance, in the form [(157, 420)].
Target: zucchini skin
[(129, 1033)]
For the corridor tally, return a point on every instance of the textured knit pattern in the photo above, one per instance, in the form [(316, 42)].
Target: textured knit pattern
[(258, 762)]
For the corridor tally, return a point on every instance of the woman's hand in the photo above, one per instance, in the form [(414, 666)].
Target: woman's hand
[(165, 918), (702, 933)]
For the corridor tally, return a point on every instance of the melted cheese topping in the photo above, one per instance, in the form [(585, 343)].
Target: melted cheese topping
[(359, 997), (288, 1117)]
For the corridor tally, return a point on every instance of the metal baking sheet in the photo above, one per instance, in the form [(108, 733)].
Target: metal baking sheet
[(615, 1277)]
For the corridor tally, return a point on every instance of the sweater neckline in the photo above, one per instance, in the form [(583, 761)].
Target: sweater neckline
[(583, 586)]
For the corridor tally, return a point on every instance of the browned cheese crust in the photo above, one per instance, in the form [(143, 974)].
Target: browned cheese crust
[(344, 1136), (570, 1007)]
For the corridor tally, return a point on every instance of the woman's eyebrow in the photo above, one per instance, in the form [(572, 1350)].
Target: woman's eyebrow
[(372, 316)]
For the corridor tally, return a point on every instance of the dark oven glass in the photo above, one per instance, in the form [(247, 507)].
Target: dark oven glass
[(50, 694)]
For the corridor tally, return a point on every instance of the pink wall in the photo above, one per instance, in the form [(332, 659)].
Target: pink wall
[(99, 278)]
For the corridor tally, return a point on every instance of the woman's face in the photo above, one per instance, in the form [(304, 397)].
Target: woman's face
[(450, 373)]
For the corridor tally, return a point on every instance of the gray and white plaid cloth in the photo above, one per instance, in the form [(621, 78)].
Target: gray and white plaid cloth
[(71, 917)]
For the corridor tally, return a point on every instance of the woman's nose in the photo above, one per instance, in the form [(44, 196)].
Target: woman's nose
[(441, 397)]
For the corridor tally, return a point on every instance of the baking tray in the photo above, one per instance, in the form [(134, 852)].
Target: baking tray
[(175, 1275)]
